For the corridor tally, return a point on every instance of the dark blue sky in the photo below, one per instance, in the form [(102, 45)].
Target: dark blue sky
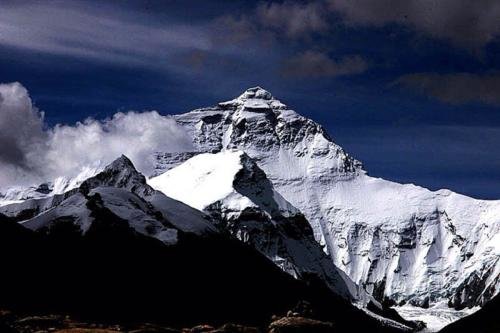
[(412, 89)]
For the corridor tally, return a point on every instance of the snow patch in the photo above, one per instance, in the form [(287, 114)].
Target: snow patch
[(435, 317), (201, 179)]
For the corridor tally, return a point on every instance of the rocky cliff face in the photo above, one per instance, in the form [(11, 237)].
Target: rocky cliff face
[(403, 243)]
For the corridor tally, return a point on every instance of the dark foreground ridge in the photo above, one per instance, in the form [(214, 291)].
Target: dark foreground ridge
[(112, 274)]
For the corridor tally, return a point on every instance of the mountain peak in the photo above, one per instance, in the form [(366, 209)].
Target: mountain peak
[(122, 162), (256, 93), (119, 173), (255, 98)]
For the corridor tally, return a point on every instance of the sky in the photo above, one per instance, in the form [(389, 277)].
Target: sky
[(410, 88)]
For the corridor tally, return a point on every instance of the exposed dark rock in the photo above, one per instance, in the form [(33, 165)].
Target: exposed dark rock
[(485, 320), (234, 328), (300, 325), (167, 161), (472, 290)]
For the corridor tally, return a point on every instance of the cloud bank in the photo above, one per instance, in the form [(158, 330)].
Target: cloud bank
[(32, 153), (465, 23), (21, 125)]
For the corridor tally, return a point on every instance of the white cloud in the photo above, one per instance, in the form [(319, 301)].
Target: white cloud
[(32, 154), (292, 18)]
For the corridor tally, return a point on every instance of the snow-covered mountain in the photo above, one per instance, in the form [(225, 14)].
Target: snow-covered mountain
[(59, 185), (258, 215), (263, 172), (403, 243), (236, 192), (121, 189)]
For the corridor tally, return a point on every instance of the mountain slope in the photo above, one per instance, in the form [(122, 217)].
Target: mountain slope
[(403, 243), (17, 194), (235, 191), (124, 192)]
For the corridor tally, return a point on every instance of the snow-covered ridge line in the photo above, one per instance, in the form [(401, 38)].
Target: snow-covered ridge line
[(58, 186), (230, 187)]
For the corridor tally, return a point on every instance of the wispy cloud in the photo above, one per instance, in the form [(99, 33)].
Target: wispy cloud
[(465, 23), (268, 21), (469, 24), (294, 19), (97, 32), (121, 35), (456, 88), (319, 64)]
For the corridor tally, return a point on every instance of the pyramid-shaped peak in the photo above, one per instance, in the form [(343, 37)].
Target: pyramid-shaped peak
[(119, 173), (256, 93), (255, 98), (122, 162)]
